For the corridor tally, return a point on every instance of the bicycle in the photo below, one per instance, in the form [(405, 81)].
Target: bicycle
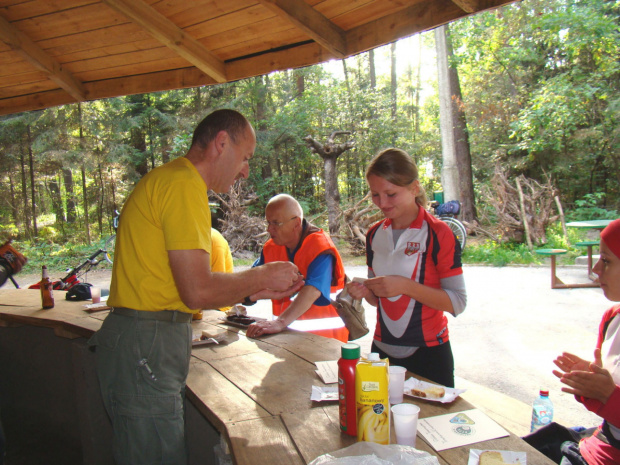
[(74, 275), (447, 213)]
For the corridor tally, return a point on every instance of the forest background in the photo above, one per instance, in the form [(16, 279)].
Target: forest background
[(540, 92)]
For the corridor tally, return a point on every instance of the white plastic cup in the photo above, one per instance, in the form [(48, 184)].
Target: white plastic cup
[(95, 294), (405, 423), (397, 384)]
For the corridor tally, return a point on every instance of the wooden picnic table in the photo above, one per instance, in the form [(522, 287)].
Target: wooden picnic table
[(255, 393)]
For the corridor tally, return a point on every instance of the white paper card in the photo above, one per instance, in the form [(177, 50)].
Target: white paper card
[(323, 393), (459, 429), (328, 371)]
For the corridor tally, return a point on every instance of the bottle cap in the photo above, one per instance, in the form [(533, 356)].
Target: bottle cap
[(350, 351), (373, 357), (544, 393)]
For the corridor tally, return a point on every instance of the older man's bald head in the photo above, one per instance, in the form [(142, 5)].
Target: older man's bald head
[(285, 204)]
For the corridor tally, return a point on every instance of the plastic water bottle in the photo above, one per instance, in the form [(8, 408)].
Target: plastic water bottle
[(542, 411)]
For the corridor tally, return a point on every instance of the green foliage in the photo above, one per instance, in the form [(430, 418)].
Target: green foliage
[(589, 208), (57, 256), (498, 254)]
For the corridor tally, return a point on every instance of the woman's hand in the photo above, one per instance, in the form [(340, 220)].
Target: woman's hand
[(568, 362), (585, 379), (359, 291), (388, 286)]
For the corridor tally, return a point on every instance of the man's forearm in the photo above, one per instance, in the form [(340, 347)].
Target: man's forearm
[(302, 303)]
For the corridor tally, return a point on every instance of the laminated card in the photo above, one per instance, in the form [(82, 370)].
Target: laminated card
[(459, 429)]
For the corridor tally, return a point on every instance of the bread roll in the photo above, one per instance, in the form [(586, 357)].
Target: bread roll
[(491, 457)]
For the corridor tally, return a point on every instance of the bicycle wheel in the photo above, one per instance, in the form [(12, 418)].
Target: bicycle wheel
[(109, 248), (457, 228)]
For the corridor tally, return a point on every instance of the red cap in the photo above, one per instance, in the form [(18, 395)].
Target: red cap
[(611, 236)]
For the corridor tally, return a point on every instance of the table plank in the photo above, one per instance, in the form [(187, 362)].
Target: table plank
[(263, 440), (277, 381), (319, 422), (226, 402)]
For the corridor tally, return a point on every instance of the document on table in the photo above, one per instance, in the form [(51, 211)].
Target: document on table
[(328, 371), (459, 429)]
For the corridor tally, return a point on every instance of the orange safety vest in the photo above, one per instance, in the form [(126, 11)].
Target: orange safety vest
[(326, 317)]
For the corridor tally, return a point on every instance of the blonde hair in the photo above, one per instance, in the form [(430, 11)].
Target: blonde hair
[(397, 167)]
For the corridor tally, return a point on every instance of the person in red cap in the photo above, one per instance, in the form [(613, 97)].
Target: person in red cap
[(596, 384)]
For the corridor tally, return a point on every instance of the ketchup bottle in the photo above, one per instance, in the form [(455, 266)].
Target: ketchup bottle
[(47, 297), (350, 355)]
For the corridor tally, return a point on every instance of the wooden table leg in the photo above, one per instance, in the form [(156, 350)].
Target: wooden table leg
[(555, 281)]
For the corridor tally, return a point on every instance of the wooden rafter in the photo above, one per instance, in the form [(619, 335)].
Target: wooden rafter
[(313, 23), (171, 36), (468, 6), (36, 56)]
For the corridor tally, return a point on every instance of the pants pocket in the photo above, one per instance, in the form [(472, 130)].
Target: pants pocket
[(148, 429)]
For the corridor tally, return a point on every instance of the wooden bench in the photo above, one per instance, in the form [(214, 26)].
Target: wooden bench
[(557, 283), (589, 245)]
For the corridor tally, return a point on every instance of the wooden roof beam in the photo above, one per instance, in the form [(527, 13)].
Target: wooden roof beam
[(468, 6), (171, 36), (36, 56), (313, 23)]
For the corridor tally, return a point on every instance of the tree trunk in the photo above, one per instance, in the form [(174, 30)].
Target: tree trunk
[(418, 89), (33, 202), (457, 178), (394, 82), (14, 202), (67, 176), (84, 191), (329, 152), (461, 141), (54, 190), (371, 69), (25, 194)]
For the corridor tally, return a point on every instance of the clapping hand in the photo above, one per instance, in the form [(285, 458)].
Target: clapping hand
[(583, 378)]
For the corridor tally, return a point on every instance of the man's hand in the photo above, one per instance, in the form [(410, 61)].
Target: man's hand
[(281, 275), (277, 295), (260, 328)]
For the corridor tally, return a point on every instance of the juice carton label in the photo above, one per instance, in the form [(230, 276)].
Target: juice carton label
[(372, 401)]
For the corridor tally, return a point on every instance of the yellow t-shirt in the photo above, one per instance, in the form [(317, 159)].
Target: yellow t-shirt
[(167, 210), (221, 258)]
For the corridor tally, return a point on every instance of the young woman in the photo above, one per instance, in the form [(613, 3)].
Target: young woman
[(595, 384), (414, 270)]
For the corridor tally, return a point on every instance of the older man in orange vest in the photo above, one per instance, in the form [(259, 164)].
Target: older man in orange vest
[(311, 249)]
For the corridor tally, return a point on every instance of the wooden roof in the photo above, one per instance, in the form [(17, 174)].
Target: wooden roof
[(55, 52)]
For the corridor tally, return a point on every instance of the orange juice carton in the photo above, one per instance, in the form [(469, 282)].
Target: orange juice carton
[(372, 400)]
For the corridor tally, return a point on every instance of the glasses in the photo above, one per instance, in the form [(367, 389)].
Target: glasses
[(277, 224)]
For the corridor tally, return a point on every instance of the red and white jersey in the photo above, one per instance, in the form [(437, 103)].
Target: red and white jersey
[(426, 252)]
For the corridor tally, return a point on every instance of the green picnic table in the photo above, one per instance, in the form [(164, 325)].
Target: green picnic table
[(589, 224), (557, 283)]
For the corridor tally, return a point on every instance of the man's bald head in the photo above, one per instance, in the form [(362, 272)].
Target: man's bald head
[(285, 204)]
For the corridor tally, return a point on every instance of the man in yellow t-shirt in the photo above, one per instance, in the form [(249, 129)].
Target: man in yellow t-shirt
[(160, 277)]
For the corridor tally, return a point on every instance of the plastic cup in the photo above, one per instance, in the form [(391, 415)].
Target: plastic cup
[(95, 294), (397, 384), (405, 423)]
